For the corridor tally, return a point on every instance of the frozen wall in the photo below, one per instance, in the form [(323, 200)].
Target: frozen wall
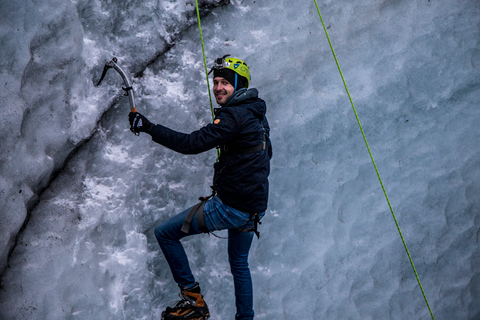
[(329, 247), (52, 52)]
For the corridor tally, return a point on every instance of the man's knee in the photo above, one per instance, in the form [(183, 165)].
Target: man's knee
[(239, 264), (160, 232), (168, 232)]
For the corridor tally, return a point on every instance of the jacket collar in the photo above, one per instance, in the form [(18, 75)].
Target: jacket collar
[(241, 95)]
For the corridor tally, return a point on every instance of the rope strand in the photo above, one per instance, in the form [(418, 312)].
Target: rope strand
[(206, 69), (373, 161)]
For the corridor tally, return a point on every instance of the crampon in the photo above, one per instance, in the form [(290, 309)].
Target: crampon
[(190, 307)]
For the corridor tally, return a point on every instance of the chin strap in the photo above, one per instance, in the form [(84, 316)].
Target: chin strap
[(235, 88)]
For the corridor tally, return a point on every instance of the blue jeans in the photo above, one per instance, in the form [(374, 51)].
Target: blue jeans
[(218, 216)]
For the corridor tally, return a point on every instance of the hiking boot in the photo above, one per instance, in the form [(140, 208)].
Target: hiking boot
[(191, 307)]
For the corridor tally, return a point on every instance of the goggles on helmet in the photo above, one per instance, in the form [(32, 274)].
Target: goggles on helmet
[(220, 63)]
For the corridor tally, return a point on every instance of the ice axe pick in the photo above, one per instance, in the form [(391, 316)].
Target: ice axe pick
[(128, 87)]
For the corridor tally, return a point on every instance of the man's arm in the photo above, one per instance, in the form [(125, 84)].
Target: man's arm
[(212, 135)]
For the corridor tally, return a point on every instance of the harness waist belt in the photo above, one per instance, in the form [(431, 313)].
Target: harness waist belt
[(230, 149)]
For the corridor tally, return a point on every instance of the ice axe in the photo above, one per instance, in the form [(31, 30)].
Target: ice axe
[(128, 87)]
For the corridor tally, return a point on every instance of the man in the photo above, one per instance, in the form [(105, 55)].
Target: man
[(240, 186)]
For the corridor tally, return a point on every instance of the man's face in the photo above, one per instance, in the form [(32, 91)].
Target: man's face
[(222, 89)]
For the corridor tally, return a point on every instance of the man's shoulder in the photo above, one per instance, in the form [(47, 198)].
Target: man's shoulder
[(245, 104), (242, 96)]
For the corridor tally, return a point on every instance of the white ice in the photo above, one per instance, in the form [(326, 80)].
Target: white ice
[(93, 192)]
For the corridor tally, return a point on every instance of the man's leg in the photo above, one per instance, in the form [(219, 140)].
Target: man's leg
[(168, 235), (238, 247), (217, 217)]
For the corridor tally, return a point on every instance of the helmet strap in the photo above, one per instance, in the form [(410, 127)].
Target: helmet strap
[(235, 87)]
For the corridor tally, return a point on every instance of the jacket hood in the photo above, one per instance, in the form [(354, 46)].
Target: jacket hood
[(242, 96)]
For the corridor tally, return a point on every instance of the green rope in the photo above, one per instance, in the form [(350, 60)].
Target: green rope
[(373, 161), (204, 59), (205, 64)]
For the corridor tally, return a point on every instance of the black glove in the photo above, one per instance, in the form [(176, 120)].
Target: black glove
[(138, 123)]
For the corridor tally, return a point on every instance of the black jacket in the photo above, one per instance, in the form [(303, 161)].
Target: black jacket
[(240, 179)]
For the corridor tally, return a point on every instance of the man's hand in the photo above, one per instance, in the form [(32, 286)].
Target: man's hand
[(138, 123)]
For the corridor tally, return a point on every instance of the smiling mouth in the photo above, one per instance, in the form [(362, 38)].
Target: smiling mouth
[(220, 95)]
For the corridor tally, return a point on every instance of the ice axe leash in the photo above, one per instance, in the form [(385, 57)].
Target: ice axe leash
[(128, 86)]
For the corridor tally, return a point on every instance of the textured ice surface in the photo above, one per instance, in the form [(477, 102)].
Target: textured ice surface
[(52, 55), (329, 247)]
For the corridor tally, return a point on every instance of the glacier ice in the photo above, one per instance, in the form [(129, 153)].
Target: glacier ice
[(52, 54), (329, 247)]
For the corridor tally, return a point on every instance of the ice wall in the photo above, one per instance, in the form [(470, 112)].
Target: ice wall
[(52, 53), (329, 247)]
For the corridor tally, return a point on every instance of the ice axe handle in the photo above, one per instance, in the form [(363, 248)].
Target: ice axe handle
[(131, 98)]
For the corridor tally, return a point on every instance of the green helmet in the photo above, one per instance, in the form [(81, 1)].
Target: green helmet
[(236, 65)]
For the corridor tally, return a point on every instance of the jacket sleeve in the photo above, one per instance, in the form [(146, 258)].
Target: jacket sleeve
[(224, 128)]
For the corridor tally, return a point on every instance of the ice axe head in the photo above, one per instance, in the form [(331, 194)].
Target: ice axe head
[(128, 87)]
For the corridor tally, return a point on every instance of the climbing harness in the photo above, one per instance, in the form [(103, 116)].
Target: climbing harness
[(373, 161), (198, 211), (233, 149)]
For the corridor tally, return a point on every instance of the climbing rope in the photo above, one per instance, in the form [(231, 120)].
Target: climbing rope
[(205, 64), (373, 161), (204, 58)]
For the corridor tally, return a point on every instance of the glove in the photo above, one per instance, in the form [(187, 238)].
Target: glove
[(138, 123)]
